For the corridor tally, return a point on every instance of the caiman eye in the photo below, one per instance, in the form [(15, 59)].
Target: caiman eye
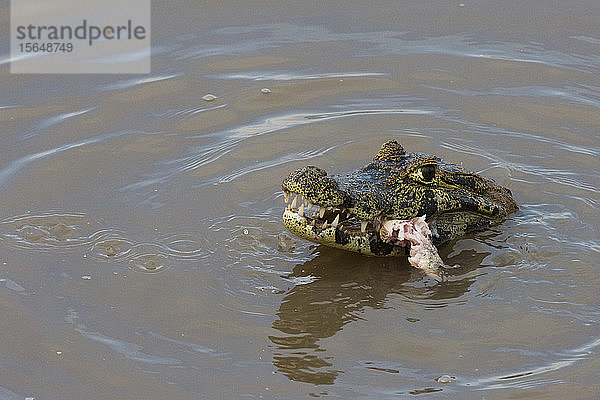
[(428, 172)]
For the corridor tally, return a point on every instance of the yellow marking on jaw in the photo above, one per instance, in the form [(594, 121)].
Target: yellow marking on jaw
[(357, 242)]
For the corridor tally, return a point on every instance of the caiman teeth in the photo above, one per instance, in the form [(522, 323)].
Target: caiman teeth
[(317, 215), (336, 221), (322, 212)]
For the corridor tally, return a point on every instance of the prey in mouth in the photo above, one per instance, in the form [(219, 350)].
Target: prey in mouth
[(340, 228)]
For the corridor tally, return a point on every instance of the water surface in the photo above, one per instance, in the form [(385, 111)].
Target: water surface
[(141, 249)]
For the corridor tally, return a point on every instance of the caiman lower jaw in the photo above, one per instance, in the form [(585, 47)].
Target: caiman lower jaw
[(337, 227)]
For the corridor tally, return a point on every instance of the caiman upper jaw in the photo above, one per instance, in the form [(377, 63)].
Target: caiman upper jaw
[(322, 217), (314, 184), (336, 227)]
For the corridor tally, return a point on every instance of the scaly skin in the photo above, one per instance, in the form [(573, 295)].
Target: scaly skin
[(395, 185)]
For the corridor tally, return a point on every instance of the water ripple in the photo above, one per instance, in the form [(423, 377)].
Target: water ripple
[(184, 246), (256, 38), (111, 249), (183, 114), (531, 377), (54, 230), (132, 351), (557, 144), (284, 159), (15, 166), (229, 139), (286, 121), (196, 348), (289, 76), (51, 230), (149, 262), (59, 118), (9, 395), (577, 94), (129, 83)]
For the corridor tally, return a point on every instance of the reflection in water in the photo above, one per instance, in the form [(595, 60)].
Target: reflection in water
[(332, 290)]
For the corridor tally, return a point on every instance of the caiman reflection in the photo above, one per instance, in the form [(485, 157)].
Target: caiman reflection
[(342, 285)]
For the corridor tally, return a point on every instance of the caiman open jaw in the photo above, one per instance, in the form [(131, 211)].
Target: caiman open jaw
[(335, 227), (349, 211)]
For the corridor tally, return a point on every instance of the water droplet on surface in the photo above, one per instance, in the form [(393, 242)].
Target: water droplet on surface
[(12, 285), (149, 263), (445, 379), (285, 243), (209, 97), (111, 249)]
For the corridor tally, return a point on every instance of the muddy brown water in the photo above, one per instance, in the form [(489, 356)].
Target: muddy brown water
[(141, 250)]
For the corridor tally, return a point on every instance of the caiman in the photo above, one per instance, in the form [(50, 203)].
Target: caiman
[(400, 203)]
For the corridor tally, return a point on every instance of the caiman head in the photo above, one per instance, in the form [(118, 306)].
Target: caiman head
[(348, 211)]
